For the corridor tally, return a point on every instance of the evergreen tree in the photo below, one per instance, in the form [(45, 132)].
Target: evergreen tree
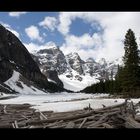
[(127, 80), (118, 81), (130, 74)]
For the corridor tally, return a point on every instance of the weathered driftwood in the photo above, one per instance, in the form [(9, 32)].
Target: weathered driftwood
[(73, 116), (42, 116), (117, 116), (100, 121), (4, 109), (15, 124), (88, 123), (70, 125), (83, 123), (107, 125), (132, 108), (137, 118), (48, 125), (131, 123)]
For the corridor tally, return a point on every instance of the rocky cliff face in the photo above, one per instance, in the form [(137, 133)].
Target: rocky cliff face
[(52, 76), (51, 58), (51, 62), (15, 57), (12, 52), (75, 62)]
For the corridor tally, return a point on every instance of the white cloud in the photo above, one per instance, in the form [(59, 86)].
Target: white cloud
[(84, 44), (31, 47), (114, 25), (8, 27), (16, 14), (33, 33), (49, 23)]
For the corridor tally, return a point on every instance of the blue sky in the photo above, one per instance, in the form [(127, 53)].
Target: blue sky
[(78, 27), (91, 34), (32, 18)]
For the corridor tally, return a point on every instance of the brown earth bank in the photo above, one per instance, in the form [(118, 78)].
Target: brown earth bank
[(123, 115)]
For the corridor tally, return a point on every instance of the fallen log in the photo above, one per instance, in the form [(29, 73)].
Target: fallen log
[(103, 119), (52, 124), (107, 125), (83, 123), (60, 126), (73, 116), (15, 123), (132, 108), (100, 121), (131, 123), (42, 116), (70, 125), (137, 118), (87, 123), (4, 109)]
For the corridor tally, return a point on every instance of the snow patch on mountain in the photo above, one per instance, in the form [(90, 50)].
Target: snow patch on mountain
[(18, 86), (50, 80), (76, 85)]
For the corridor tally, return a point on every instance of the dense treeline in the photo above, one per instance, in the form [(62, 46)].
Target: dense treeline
[(108, 86), (127, 79)]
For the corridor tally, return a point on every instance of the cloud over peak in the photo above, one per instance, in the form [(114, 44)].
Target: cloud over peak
[(101, 33), (109, 44), (33, 33), (49, 23)]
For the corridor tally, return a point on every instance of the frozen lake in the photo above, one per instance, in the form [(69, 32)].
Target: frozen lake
[(62, 102)]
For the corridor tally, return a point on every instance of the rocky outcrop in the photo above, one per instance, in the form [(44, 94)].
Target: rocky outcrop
[(5, 89), (51, 58), (52, 63), (52, 75), (75, 62)]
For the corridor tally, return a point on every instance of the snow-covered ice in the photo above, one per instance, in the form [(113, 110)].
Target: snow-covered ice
[(53, 97), (61, 102), (76, 105)]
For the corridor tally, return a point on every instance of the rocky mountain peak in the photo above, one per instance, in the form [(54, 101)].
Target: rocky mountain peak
[(90, 60), (51, 58), (73, 55), (102, 61), (75, 62)]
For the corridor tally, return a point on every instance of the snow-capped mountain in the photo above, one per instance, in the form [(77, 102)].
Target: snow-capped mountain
[(75, 62), (19, 73), (47, 69), (74, 72), (52, 63), (51, 58)]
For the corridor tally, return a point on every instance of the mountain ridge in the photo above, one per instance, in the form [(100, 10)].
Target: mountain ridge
[(72, 69)]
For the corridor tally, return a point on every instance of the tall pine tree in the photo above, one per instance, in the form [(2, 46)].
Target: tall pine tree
[(117, 84), (130, 74)]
